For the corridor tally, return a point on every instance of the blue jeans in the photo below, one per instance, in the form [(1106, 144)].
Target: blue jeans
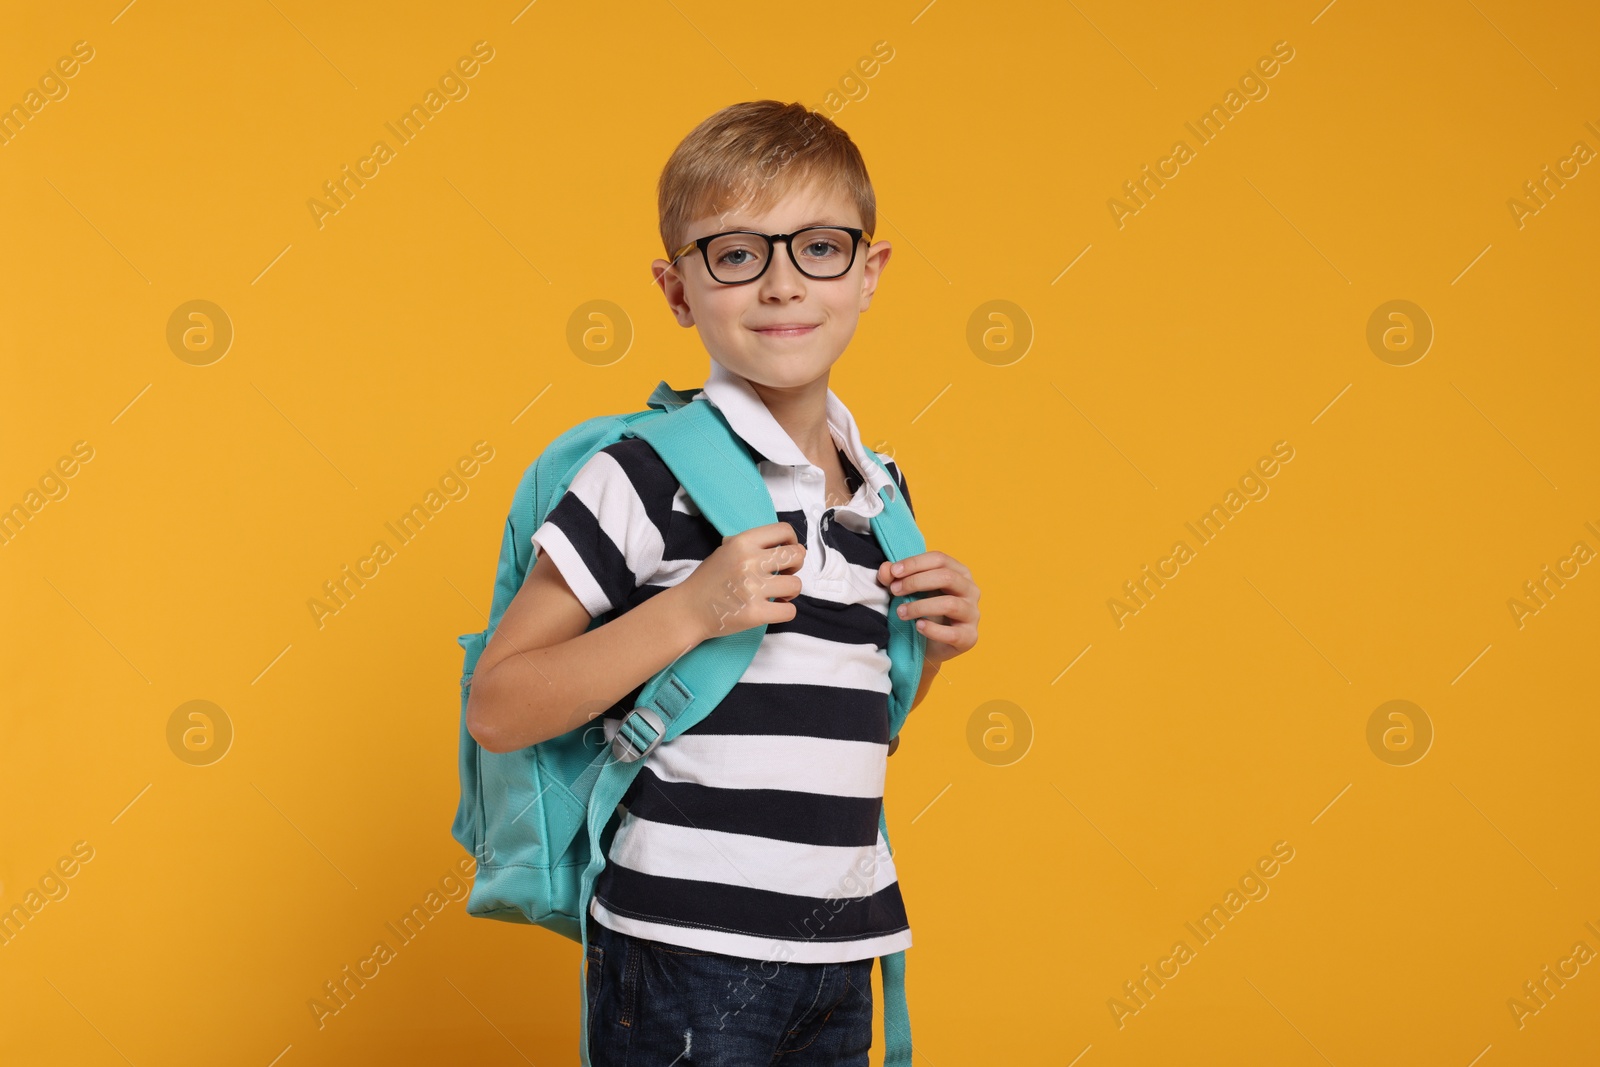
[(652, 1004)]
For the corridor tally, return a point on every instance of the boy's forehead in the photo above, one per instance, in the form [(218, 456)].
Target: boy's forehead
[(812, 204)]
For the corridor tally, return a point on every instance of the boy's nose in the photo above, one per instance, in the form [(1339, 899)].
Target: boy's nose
[(782, 277)]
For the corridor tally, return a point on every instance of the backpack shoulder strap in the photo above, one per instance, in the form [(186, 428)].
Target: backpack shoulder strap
[(699, 448), (899, 537), (697, 445)]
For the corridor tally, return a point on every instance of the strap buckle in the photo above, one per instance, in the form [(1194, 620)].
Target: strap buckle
[(638, 734)]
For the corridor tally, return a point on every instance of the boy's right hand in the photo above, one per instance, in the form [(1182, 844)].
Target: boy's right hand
[(748, 580)]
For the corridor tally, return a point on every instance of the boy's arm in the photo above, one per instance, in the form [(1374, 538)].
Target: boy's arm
[(544, 671), (541, 674)]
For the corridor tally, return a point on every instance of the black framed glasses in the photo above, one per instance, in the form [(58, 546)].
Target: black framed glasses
[(741, 256)]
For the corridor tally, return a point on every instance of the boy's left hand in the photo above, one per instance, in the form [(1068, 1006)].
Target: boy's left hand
[(948, 621)]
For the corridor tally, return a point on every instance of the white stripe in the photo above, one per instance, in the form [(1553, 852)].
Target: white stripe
[(788, 658), (750, 947), (827, 872), (792, 762)]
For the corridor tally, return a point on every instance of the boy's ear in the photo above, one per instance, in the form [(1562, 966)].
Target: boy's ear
[(671, 284), (877, 259)]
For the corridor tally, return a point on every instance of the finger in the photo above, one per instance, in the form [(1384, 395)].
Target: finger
[(947, 560), (926, 561), (910, 565), (768, 536), (950, 607), (783, 558), (785, 588), (942, 632), (892, 569), (942, 579)]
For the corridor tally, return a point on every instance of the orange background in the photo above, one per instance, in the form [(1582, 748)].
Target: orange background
[(1229, 313)]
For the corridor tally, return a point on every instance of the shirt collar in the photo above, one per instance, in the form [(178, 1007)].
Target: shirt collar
[(747, 415)]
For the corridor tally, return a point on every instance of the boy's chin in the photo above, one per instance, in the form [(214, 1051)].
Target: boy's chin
[(779, 372)]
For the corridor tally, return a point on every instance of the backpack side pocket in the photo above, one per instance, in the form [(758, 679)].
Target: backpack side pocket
[(467, 828)]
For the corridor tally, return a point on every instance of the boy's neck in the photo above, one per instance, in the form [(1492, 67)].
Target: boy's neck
[(802, 411)]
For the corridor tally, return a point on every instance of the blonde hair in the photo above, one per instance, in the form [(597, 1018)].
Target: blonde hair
[(747, 156)]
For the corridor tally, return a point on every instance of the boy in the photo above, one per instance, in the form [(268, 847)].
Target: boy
[(717, 934)]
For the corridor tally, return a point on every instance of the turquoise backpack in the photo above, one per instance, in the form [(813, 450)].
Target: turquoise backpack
[(540, 820)]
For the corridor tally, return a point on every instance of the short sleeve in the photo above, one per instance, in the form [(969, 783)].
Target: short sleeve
[(606, 534), (899, 481)]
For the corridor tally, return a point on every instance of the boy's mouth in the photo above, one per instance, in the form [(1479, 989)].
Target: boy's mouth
[(787, 329)]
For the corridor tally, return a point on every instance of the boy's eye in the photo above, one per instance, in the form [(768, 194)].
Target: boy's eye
[(738, 250)]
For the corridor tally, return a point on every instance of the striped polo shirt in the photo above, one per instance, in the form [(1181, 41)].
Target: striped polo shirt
[(753, 833)]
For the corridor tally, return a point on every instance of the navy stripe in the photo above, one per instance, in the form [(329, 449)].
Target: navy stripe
[(741, 909), (797, 519), (693, 537), (852, 477), (831, 712), (829, 620), (803, 818), (862, 549), (689, 537), (788, 710)]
